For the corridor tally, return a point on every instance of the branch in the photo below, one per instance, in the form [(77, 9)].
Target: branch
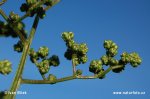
[(17, 79), (30, 81)]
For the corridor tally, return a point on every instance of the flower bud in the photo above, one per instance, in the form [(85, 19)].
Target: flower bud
[(43, 51), (112, 52), (43, 66), (67, 36), (5, 67), (76, 61), (135, 59), (105, 60), (95, 66), (107, 44), (70, 43), (83, 48), (68, 54), (79, 72), (48, 3), (54, 61), (125, 58), (113, 62), (24, 7), (41, 12), (31, 2), (52, 78), (84, 59), (18, 47), (13, 16)]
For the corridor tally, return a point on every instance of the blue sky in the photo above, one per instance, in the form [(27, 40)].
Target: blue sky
[(126, 22)]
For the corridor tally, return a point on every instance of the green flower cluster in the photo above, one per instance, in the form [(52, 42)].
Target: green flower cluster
[(54, 61), (44, 65), (78, 72), (106, 60), (18, 47), (5, 67), (76, 52), (132, 58), (52, 78), (20, 25), (110, 47), (25, 7), (95, 66), (43, 51), (7, 31)]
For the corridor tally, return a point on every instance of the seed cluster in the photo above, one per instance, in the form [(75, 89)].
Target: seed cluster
[(76, 52), (96, 66), (5, 67), (44, 65), (25, 7)]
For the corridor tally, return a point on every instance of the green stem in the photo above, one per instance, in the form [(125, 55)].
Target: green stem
[(4, 15), (28, 81), (17, 80)]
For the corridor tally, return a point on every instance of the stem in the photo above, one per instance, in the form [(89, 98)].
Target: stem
[(28, 81), (18, 76), (4, 15)]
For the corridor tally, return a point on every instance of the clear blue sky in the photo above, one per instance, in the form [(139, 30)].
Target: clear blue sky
[(126, 22)]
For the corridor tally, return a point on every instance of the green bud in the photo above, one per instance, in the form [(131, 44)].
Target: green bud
[(75, 47), (107, 44), (67, 36), (33, 55), (95, 66), (70, 43), (68, 54), (125, 58), (18, 47), (48, 3), (14, 16), (43, 51), (5, 67), (24, 7), (20, 26), (31, 2), (84, 59), (112, 52), (105, 60), (41, 12), (76, 61), (135, 59), (79, 72), (43, 66), (113, 62), (54, 61), (83, 48), (52, 78)]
